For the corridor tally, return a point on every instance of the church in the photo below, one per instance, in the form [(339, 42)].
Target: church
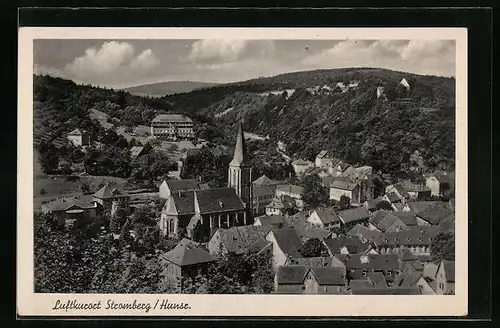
[(198, 212)]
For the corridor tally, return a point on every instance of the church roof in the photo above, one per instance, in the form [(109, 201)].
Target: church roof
[(188, 252), (218, 200), (240, 156)]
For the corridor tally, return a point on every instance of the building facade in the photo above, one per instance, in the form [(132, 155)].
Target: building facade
[(172, 126)]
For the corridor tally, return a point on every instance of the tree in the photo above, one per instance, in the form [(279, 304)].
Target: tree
[(443, 247), (314, 192), (48, 157), (345, 202), (384, 205), (313, 247)]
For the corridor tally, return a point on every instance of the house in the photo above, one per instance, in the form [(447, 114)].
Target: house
[(408, 218), (169, 187), (405, 84), (409, 278), (324, 218), (417, 206), (289, 190), (371, 205), (445, 278), (79, 138), (286, 243), (385, 221), (172, 126), (111, 199), (352, 216), (361, 265), (415, 191), (435, 213), (317, 262), (264, 181), (300, 166), (299, 279), (276, 207), (324, 159), (416, 239), (338, 168), (345, 245), (381, 93), (238, 240), (187, 260), (273, 221), (427, 287), (69, 208), (398, 189), (206, 209), (439, 182), (345, 187), (366, 235), (310, 232), (136, 151), (262, 195)]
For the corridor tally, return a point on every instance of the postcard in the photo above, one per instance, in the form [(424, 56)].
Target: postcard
[(242, 172)]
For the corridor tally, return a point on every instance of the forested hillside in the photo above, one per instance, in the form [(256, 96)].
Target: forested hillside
[(391, 135)]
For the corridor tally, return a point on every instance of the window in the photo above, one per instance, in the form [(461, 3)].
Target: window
[(364, 273)]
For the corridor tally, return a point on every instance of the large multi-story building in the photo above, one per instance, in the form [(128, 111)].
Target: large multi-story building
[(172, 126)]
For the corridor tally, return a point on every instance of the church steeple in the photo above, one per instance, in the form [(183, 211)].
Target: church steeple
[(240, 157), (240, 172)]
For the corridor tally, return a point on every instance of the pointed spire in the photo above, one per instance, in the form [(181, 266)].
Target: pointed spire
[(240, 156)]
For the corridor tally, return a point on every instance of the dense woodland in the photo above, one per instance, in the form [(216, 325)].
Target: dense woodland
[(394, 137)]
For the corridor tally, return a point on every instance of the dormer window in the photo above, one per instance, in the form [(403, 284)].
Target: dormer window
[(221, 204)]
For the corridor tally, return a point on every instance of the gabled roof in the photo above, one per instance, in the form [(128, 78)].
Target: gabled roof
[(389, 222), (352, 244), (372, 203), (435, 213), (327, 216), (218, 200), (291, 274), (182, 185), (108, 192), (449, 270), (276, 203), (329, 275), (135, 151), (393, 197), (263, 190), (327, 181), (184, 202), (313, 232), (271, 220), (322, 154), (288, 241), (75, 132), (174, 118), (241, 239), (430, 270), (414, 236), (362, 231), (263, 180), (300, 161), (377, 279), (66, 203), (188, 252), (416, 207), (408, 278), (409, 218), (290, 188), (343, 184), (353, 214), (317, 262)]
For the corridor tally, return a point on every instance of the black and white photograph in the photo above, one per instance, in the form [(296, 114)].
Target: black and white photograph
[(222, 164)]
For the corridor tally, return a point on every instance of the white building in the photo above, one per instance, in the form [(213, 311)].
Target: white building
[(172, 126)]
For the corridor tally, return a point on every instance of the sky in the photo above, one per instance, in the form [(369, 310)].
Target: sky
[(124, 63)]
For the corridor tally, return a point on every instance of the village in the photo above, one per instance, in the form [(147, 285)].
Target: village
[(374, 235)]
